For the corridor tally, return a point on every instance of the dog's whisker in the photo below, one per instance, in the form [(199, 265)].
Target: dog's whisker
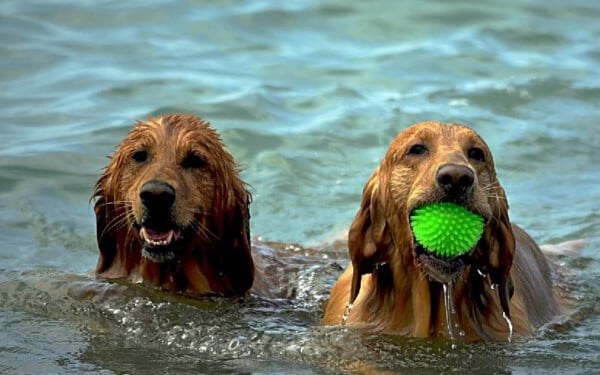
[(194, 224), (204, 231), (116, 223), (490, 186), (198, 212), (125, 218), (124, 221), (117, 204), (200, 230)]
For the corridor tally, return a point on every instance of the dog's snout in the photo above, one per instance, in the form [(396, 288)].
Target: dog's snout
[(455, 179), (157, 195)]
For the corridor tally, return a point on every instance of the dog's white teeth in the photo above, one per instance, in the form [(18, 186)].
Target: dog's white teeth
[(164, 240)]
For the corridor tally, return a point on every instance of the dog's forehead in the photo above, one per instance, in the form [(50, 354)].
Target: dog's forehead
[(176, 132), (438, 132), (192, 137)]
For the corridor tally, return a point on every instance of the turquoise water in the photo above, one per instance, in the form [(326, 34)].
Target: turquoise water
[(307, 95)]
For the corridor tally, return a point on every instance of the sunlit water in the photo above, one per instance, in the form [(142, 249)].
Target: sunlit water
[(307, 95)]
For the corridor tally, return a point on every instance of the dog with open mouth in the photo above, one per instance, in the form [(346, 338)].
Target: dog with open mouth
[(172, 210), (394, 285)]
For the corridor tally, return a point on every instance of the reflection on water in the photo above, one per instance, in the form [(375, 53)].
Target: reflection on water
[(307, 96)]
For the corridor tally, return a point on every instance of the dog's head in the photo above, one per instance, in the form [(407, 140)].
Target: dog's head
[(430, 163), (170, 188)]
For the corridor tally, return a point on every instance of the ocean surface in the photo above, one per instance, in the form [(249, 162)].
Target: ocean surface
[(307, 96)]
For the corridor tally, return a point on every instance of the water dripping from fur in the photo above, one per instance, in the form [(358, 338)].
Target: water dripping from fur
[(449, 308), (506, 318), (510, 326)]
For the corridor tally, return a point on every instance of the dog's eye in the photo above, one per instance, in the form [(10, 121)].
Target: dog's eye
[(417, 150), (193, 161), (476, 153), (140, 156)]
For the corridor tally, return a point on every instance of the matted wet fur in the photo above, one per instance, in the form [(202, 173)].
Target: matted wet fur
[(397, 286), (171, 209)]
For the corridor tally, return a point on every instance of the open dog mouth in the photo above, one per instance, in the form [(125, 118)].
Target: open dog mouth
[(160, 245), (154, 238)]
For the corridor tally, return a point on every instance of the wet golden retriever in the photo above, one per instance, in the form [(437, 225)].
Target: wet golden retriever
[(172, 210), (396, 286)]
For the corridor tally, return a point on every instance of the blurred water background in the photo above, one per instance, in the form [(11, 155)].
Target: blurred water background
[(307, 95)]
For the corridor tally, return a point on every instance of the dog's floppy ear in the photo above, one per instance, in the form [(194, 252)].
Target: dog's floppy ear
[(232, 215), (112, 228), (105, 212), (368, 238), (498, 241)]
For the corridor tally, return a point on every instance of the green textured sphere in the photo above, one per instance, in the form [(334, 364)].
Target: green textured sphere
[(446, 229)]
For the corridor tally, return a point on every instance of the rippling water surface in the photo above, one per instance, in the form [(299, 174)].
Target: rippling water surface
[(307, 95)]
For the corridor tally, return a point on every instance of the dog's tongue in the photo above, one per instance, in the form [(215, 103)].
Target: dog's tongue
[(156, 235)]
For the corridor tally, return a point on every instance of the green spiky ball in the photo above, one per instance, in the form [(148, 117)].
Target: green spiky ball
[(446, 229)]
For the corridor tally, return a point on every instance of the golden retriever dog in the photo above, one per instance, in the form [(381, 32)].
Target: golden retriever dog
[(172, 210), (396, 286)]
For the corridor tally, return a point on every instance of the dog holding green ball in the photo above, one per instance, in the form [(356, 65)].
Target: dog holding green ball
[(433, 251)]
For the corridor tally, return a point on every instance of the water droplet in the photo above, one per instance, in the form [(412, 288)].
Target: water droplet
[(233, 345), (346, 314)]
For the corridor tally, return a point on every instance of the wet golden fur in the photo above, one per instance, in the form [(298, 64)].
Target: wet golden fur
[(212, 201), (393, 292)]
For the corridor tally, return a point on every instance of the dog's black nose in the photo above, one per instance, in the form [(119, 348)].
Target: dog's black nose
[(157, 195), (455, 180)]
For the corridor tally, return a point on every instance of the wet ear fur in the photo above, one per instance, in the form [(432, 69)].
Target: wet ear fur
[(232, 226), (105, 240), (107, 225), (499, 247), (368, 239)]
